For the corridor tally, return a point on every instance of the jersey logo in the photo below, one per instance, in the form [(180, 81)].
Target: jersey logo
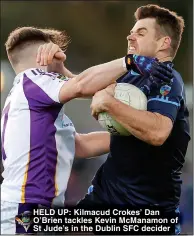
[(64, 78), (25, 219), (165, 89)]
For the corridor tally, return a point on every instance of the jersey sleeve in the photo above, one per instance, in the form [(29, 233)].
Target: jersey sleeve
[(43, 87), (166, 100)]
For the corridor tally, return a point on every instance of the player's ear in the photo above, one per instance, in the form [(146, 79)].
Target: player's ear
[(164, 43)]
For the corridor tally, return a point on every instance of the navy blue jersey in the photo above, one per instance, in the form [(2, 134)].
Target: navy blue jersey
[(137, 173)]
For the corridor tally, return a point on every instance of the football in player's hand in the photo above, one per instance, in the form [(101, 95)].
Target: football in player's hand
[(130, 95)]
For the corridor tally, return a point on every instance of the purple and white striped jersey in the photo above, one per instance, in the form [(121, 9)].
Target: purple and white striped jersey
[(38, 141)]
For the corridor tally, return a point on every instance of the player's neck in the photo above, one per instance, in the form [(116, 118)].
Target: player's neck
[(162, 57), (21, 68), (167, 58)]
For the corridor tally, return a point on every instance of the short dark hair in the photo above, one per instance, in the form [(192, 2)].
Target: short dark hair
[(23, 36), (168, 21)]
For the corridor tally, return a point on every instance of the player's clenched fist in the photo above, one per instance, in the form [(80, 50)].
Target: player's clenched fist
[(49, 52), (101, 99)]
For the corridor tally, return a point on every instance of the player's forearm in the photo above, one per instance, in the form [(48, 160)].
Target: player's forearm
[(99, 77), (92, 144), (144, 125)]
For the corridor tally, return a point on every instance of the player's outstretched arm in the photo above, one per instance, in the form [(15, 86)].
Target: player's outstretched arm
[(86, 83), (97, 77), (92, 144)]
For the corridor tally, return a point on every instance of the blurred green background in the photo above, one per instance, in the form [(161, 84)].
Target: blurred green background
[(98, 28), (98, 31)]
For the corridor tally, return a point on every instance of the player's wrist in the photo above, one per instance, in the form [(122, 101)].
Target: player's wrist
[(127, 61), (124, 64)]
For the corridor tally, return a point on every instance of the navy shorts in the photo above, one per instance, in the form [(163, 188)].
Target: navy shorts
[(92, 200)]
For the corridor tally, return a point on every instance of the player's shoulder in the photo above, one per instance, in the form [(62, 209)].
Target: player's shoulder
[(177, 76), (177, 81), (39, 76), (36, 73), (37, 83)]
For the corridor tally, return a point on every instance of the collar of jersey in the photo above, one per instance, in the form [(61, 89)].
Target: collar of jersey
[(18, 76)]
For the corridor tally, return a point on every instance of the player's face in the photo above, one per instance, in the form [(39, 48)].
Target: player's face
[(143, 38)]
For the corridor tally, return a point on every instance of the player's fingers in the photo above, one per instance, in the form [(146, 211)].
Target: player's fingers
[(92, 107), (54, 49), (60, 56), (92, 104), (161, 76), (42, 54), (164, 69), (38, 56), (64, 56), (165, 72), (94, 114), (48, 48)]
